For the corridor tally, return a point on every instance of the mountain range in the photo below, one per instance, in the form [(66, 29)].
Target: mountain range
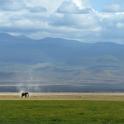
[(59, 61)]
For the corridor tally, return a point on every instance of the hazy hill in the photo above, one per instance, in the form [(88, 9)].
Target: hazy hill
[(60, 60)]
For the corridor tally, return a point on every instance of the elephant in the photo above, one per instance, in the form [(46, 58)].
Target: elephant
[(25, 94)]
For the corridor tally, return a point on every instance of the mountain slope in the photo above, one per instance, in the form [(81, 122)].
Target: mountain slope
[(59, 60), (23, 50)]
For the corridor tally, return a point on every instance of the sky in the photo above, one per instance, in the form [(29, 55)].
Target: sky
[(84, 20)]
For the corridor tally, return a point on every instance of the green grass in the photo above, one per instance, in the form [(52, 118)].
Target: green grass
[(61, 112)]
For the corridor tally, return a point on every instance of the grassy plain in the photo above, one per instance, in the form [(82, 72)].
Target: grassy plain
[(61, 112)]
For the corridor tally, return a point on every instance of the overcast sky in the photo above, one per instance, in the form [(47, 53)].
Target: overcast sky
[(85, 20)]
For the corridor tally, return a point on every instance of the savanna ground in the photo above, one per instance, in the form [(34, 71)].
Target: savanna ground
[(81, 111)]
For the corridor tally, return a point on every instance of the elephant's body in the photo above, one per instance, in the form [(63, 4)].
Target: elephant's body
[(25, 94)]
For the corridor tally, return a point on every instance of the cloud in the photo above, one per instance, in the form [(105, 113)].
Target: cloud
[(71, 14), (77, 21), (37, 9), (20, 5), (11, 5), (73, 19), (73, 7), (113, 8), (21, 16)]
